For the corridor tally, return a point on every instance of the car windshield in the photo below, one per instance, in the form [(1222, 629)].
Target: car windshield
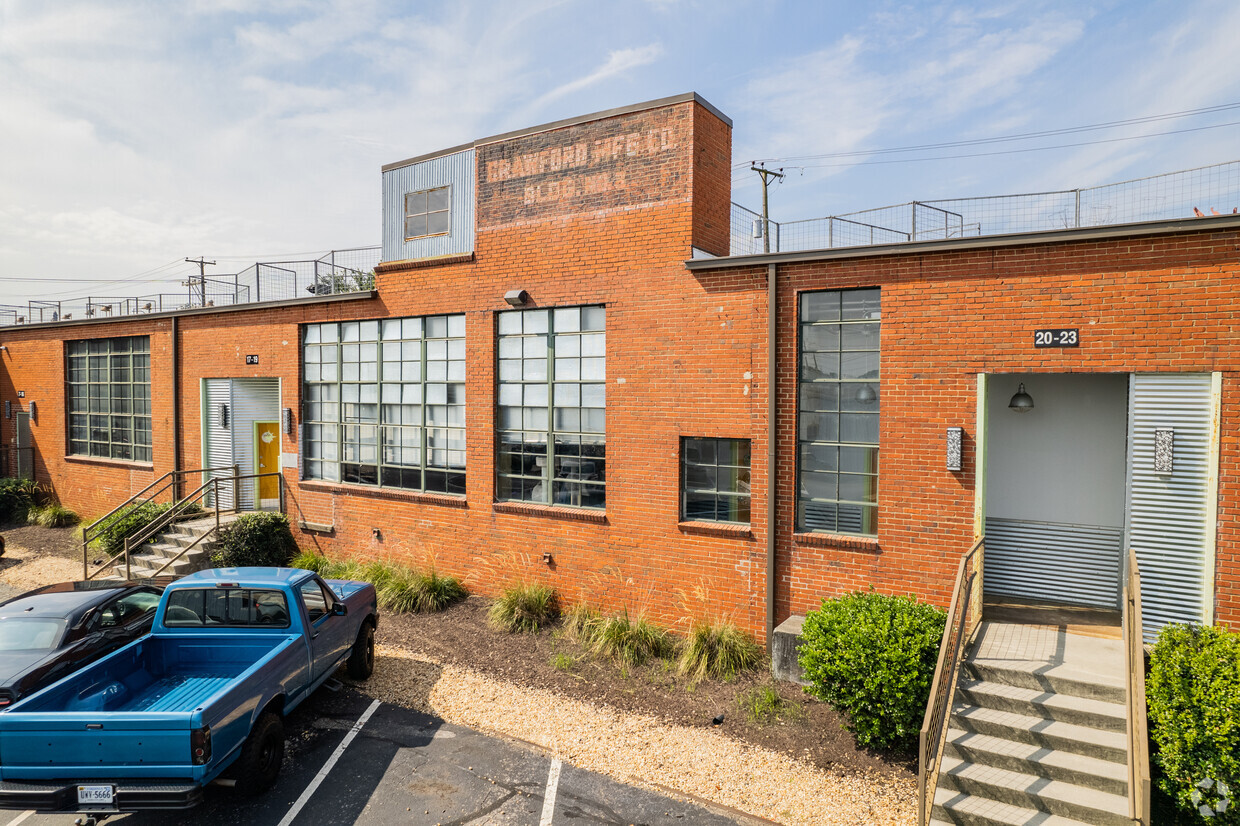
[(27, 633)]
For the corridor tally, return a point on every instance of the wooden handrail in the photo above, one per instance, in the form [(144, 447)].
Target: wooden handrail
[(1134, 693), (963, 617)]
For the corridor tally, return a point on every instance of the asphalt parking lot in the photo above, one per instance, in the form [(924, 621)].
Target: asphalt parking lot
[(349, 759)]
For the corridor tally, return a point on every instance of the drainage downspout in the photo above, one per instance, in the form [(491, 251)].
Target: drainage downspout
[(176, 407), (772, 474)]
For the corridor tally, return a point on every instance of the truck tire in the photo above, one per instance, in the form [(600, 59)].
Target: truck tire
[(362, 660), (262, 753)]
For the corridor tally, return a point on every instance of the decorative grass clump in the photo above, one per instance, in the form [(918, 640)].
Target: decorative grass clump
[(17, 496), (718, 650), (763, 705), (580, 622), (630, 641), (524, 608), (399, 588), (51, 516)]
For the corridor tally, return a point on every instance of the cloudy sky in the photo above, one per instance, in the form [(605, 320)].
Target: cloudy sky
[(134, 134)]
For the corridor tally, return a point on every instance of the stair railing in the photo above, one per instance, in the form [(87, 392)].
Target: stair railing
[(214, 485), (170, 481), (1134, 692), (963, 618)]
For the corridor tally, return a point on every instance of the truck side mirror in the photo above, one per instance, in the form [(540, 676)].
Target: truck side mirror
[(339, 609)]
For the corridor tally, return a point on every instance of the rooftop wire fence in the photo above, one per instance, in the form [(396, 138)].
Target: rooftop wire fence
[(1206, 190)]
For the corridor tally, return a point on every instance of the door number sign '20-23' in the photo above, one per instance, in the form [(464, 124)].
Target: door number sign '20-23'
[(1057, 338)]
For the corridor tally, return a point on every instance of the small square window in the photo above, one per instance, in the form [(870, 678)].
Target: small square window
[(427, 213), (714, 480)]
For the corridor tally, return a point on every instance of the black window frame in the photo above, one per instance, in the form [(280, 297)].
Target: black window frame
[(696, 476), (108, 398)]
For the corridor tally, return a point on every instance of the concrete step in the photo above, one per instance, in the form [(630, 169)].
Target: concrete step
[(1111, 746), (1037, 793), (1057, 679), (154, 562), (1066, 708), (951, 807), (1103, 775)]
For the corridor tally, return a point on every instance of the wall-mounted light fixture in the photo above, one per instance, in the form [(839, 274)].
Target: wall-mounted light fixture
[(8, 410), (287, 418), (34, 411), (955, 441), (517, 298), (1164, 450), (223, 416), (1021, 401)]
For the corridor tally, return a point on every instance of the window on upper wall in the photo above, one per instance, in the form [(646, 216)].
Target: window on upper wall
[(426, 212), (715, 480), (838, 416), (109, 397), (552, 406), (384, 402)]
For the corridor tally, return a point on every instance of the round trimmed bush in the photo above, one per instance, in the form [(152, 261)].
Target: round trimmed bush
[(258, 539), (872, 657)]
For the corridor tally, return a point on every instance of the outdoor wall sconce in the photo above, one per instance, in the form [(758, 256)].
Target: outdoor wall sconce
[(8, 410), (547, 557), (223, 416), (517, 298), (955, 439), (1164, 449), (34, 412), (287, 418), (1021, 401)]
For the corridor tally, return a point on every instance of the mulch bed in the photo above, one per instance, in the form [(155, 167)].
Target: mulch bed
[(811, 732), (59, 541)]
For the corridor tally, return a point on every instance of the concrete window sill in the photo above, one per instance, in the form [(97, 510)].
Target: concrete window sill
[(736, 531)]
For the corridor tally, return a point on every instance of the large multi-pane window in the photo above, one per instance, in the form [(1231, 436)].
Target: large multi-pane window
[(715, 479), (385, 402), (839, 401), (552, 406), (109, 392)]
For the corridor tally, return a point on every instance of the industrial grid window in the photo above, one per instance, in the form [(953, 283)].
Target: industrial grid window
[(552, 406), (109, 397), (426, 213), (838, 415), (715, 479), (385, 402)]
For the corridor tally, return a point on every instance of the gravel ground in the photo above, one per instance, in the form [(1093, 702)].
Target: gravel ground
[(26, 569), (641, 750)]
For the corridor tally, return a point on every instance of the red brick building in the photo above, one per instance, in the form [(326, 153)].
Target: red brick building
[(562, 375)]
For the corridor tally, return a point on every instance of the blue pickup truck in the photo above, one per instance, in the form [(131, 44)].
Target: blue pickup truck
[(202, 697)]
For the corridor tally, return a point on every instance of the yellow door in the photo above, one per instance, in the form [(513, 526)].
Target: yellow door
[(267, 459)]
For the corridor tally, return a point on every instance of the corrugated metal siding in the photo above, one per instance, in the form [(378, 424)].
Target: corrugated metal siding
[(1072, 564), (1169, 525), (216, 440), (254, 400), (457, 171)]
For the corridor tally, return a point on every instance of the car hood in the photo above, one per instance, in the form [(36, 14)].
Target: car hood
[(13, 664)]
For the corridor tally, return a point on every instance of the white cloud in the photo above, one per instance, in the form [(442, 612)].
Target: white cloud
[(619, 62)]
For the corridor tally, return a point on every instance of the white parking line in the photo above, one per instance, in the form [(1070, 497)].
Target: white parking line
[(553, 783), (21, 817), (327, 767)]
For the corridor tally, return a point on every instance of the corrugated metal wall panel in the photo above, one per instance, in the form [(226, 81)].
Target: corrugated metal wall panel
[(216, 439), (1169, 525), (1073, 564), (254, 400), (455, 170)]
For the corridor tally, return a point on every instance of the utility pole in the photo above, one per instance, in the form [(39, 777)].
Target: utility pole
[(202, 278), (766, 174)]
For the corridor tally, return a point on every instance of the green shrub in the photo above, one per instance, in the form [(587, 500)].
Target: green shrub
[(630, 640), (872, 657), (259, 539), (310, 561), (718, 650), (17, 496), (524, 608), (1193, 696), (110, 538), (51, 516)]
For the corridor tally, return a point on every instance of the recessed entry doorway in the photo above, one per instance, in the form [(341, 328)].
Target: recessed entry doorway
[(1078, 467), (240, 426)]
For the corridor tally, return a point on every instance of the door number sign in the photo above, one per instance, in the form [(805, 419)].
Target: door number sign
[(1057, 338), (251, 359)]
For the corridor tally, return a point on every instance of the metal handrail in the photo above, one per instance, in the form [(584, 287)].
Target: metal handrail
[(169, 479), (963, 618), (1134, 666)]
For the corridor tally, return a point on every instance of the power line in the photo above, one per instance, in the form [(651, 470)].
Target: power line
[(1017, 137)]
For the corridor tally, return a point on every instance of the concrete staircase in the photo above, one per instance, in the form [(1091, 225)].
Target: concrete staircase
[(166, 545), (1037, 732)]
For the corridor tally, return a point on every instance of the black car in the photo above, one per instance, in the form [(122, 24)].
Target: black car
[(50, 632)]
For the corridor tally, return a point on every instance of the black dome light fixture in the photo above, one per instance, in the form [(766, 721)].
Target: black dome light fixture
[(1021, 401)]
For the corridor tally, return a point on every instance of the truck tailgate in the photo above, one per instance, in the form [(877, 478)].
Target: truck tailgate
[(86, 746)]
